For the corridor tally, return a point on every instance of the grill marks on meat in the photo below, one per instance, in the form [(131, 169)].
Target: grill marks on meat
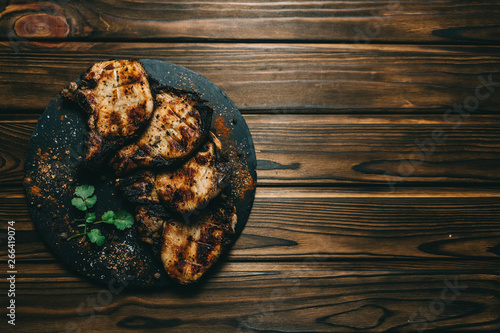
[(153, 129), (119, 102), (197, 182), (180, 122), (187, 251), (150, 221), (187, 188), (188, 243)]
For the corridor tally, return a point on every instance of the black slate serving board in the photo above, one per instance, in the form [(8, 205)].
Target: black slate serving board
[(54, 153)]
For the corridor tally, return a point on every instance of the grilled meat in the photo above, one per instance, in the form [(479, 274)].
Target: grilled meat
[(180, 122), (188, 250), (118, 99), (150, 223), (152, 129), (187, 188)]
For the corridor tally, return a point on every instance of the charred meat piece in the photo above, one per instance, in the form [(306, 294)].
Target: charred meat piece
[(118, 99), (150, 221), (180, 122), (187, 188), (188, 250)]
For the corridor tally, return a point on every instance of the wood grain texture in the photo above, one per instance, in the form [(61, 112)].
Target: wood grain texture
[(310, 259), (12, 160), (278, 78), (381, 150), (270, 297), (354, 22), (365, 218), (307, 223)]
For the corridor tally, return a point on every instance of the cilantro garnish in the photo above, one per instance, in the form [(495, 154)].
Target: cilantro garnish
[(95, 236), (121, 220), (84, 200), (85, 197)]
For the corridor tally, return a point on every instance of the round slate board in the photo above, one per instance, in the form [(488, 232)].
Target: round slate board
[(55, 150)]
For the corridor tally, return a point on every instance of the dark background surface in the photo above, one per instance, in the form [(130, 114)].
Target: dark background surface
[(377, 201)]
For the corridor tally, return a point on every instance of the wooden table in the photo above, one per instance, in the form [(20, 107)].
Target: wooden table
[(378, 199)]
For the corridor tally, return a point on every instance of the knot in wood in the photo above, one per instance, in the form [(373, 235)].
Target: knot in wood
[(42, 26)]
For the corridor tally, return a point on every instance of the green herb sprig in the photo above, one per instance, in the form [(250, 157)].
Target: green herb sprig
[(84, 200)]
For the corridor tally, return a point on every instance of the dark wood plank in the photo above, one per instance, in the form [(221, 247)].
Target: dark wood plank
[(382, 150), (278, 78), (364, 21), (270, 297), (388, 151), (339, 224), (14, 139)]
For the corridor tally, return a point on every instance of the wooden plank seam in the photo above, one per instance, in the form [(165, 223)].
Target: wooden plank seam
[(455, 116), (98, 303), (373, 28), (266, 309), (437, 306)]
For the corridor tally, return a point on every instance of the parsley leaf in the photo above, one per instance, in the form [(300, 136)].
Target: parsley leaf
[(108, 217), (90, 217), (123, 220), (79, 204), (84, 191), (90, 201), (95, 236), (86, 199)]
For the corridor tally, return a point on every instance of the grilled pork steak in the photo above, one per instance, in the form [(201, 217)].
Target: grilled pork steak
[(180, 122), (118, 99), (164, 133), (188, 250), (187, 188)]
